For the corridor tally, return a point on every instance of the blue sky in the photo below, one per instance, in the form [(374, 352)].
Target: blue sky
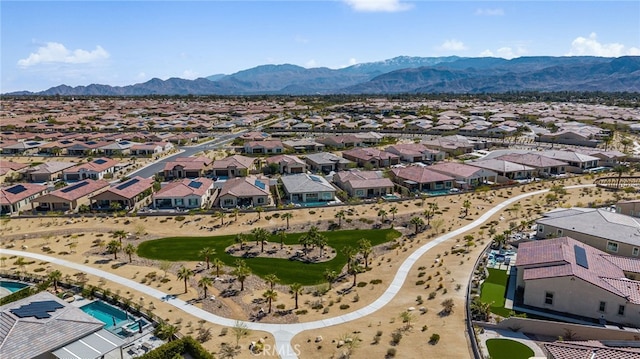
[(46, 43)]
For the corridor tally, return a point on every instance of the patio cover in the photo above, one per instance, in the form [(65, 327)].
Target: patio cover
[(90, 347)]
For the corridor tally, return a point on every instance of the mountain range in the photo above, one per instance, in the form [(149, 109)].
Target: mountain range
[(404, 74)]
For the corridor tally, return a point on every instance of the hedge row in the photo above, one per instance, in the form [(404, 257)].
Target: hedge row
[(186, 345)]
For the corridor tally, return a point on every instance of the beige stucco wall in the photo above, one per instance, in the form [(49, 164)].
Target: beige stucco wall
[(575, 296), (624, 249)]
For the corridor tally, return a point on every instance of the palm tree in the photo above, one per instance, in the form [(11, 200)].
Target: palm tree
[(207, 253), (236, 212), (320, 241), (240, 238), (382, 214), (113, 247), (296, 289), (418, 222), (340, 215), (500, 240), (270, 295), (130, 249), (55, 277), (228, 351), (480, 310), (466, 205), (625, 142), (115, 206), (282, 235), (287, 216), (121, 234), (310, 238), (221, 215), (204, 283), (431, 212), (185, 273), (620, 170), (241, 272), (217, 263), (260, 235), (271, 279), (365, 248), (259, 210), (330, 276), (393, 210), (354, 269)]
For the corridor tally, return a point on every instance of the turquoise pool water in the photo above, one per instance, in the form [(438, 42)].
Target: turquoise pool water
[(112, 317), (439, 192), (12, 286)]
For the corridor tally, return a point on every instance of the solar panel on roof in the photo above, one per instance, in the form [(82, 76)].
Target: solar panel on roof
[(195, 184), (66, 142), (581, 256), (74, 187), (99, 161), (127, 184), (16, 189), (91, 143), (315, 179), (32, 143), (39, 310)]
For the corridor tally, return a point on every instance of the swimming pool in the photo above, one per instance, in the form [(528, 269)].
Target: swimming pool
[(112, 317), (8, 287)]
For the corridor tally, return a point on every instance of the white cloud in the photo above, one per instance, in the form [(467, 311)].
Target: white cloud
[(490, 12), (311, 64), (189, 75), (590, 46), (55, 52), (301, 40), (452, 45), (506, 52), (378, 5)]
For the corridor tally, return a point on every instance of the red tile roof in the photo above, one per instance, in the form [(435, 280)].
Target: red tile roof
[(79, 190), (185, 188), (18, 192), (420, 174)]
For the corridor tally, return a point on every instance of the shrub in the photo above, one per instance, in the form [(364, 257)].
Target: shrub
[(396, 336), (344, 306), (362, 284), (375, 281), (391, 353), (434, 339), (432, 295), (301, 312), (179, 218)]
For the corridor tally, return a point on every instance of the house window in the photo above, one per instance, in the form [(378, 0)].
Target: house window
[(179, 202), (260, 200), (540, 228), (228, 202), (621, 310), (602, 307), (635, 251), (548, 298), (193, 201), (359, 193), (559, 232), (612, 247)]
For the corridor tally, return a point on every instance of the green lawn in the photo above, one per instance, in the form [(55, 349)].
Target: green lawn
[(289, 271), (493, 291), (508, 349)]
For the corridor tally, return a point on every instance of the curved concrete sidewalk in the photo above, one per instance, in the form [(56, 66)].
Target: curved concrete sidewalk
[(284, 333)]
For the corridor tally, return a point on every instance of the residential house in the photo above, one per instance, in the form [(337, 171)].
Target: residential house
[(327, 162), (607, 231), (421, 179), (341, 141), (117, 148), (69, 198), (57, 148), (543, 166), (185, 194), (416, 152), (47, 171), (264, 147), (9, 168), (507, 171), (85, 148), (287, 164), (233, 166), (96, 169), (609, 158), (186, 167), (151, 148), (370, 138), (588, 136), (22, 148), (592, 349), (629, 207), (577, 162), (363, 184), (454, 145), (466, 176), (127, 194), (69, 332), (567, 277), (15, 198), (371, 156), (254, 136), (245, 192), (303, 145), (305, 188)]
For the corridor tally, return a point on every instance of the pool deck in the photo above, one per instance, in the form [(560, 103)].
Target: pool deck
[(506, 334)]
